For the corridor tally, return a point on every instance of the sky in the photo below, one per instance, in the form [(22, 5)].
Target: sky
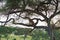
[(3, 18)]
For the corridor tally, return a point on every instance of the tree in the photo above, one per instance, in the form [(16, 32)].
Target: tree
[(48, 9)]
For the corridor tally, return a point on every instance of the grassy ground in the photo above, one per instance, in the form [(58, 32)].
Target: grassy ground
[(11, 37)]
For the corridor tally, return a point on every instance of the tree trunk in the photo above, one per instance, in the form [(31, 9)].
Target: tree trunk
[(53, 36), (50, 31), (25, 35)]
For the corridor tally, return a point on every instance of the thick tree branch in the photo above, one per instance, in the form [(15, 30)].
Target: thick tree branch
[(32, 11), (19, 23), (55, 12)]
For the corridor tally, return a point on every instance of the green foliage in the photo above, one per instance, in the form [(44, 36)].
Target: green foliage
[(39, 35), (20, 4), (10, 30), (21, 31), (12, 4), (6, 30), (57, 34)]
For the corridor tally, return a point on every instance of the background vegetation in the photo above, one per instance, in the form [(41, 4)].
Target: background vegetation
[(11, 33)]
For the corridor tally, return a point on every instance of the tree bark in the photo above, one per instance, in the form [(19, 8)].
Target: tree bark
[(50, 30)]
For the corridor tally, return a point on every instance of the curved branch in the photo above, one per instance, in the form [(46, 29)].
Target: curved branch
[(32, 11), (55, 12)]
